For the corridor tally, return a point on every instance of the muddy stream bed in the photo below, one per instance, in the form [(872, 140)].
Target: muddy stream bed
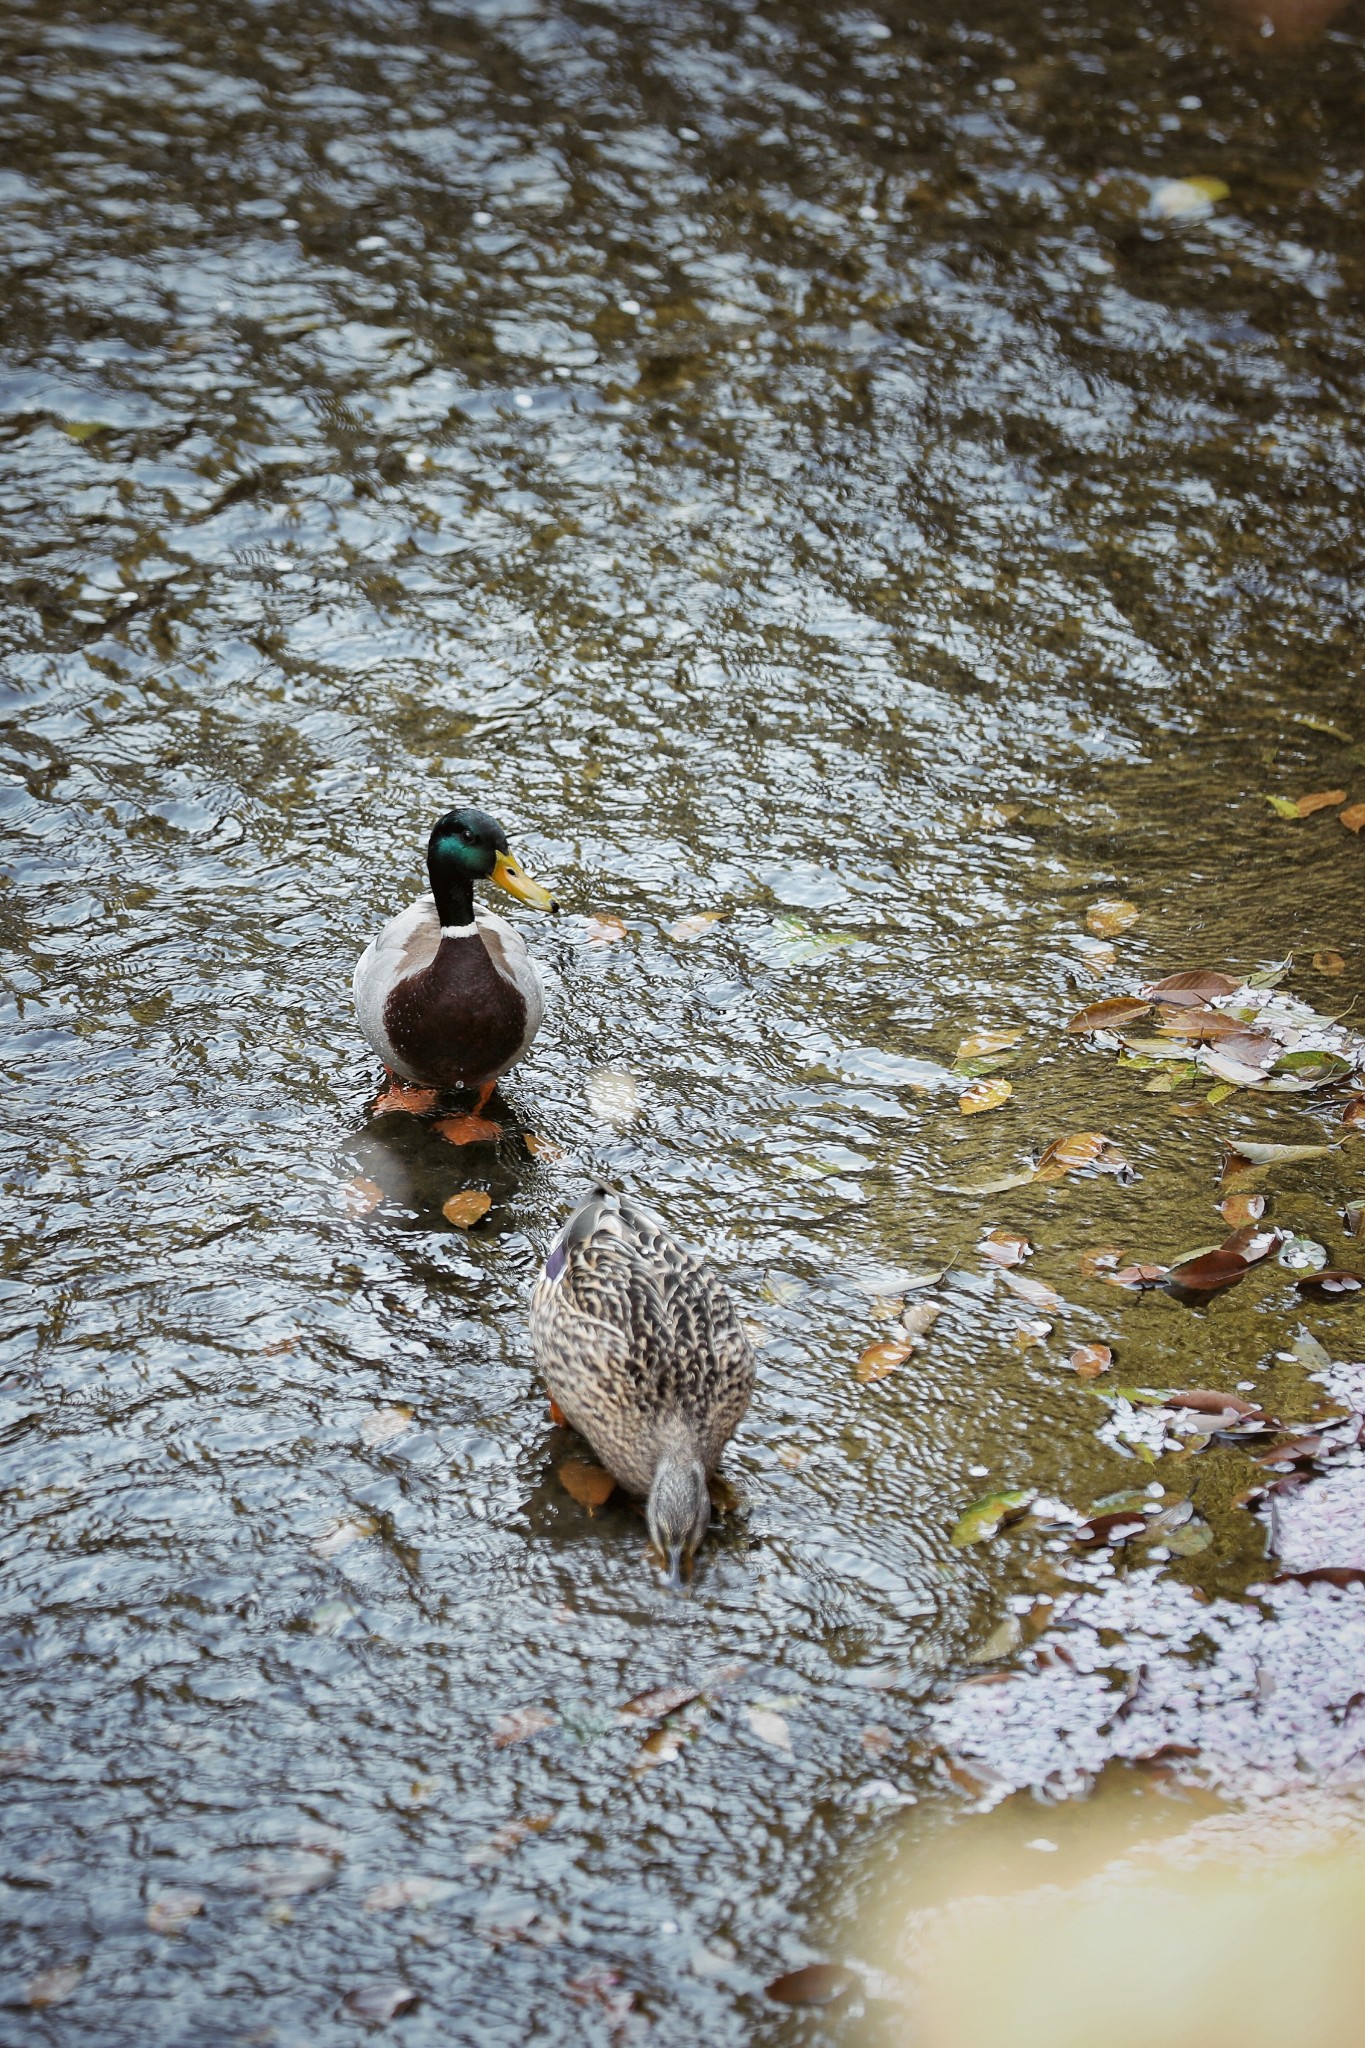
[(829, 477)]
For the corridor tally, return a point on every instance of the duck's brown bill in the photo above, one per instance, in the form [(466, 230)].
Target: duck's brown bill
[(509, 874)]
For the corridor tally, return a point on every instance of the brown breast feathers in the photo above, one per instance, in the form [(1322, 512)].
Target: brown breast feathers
[(458, 1022)]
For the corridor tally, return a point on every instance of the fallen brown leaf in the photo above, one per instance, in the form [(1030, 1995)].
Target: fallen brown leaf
[(1029, 1336), (379, 2002), (53, 1987), (543, 1148), (1353, 1116), (1090, 1360), (919, 1317), (1329, 962), (982, 1095), (1241, 1209), (1353, 1216), (1213, 1272), (170, 1912), (1321, 800), (360, 1196), (1137, 1277), (381, 1425), (880, 1359), (1196, 985), (1207, 1401), (1353, 817), (1081, 1149), (689, 928), (1002, 1248), (1035, 1291), (817, 1984), (1110, 916), (403, 1100), (1110, 1014), (1103, 1259), (655, 1704), (520, 1725), (1193, 1021), (465, 1209), (979, 1043), (588, 1484), (605, 931), (1332, 1281)]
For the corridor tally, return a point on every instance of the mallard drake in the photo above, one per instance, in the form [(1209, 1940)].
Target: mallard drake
[(643, 1351), (448, 998)]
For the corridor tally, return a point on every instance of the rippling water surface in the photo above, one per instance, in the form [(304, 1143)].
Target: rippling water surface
[(785, 464)]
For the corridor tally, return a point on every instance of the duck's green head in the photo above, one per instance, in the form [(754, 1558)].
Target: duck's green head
[(468, 846)]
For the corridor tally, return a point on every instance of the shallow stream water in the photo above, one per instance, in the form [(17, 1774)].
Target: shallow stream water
[(786, 464)]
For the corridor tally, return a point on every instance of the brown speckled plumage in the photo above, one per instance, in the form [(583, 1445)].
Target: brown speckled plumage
[(639, 1342)]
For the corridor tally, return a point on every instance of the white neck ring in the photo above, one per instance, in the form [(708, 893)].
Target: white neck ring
[(459, 931)]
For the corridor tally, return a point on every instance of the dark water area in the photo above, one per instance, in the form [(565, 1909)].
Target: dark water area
[(801, 466)]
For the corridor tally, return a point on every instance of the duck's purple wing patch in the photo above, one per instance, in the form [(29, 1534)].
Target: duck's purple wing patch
[(555, 1264)]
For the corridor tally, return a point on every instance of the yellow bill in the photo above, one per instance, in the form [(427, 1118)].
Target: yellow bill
[(509, 874)]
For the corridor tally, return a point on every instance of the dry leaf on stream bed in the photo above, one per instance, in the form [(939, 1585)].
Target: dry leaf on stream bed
[(883, 1357), (1305, 806), (465, 1209), (1110, 916), (990, 1093)]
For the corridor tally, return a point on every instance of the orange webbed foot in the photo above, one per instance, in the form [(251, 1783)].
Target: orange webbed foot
[(400, 1097)]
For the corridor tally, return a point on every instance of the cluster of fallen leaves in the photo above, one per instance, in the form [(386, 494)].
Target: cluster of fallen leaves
[(674, 1715), (1352, 817), (1203, 1024)]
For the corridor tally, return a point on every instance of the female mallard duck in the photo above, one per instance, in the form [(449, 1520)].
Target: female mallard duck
[(448, 999), (642, 1350)]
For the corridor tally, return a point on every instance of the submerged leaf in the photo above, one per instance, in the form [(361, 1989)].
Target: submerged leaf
[(880, 1359), (1278, 1155), (53, 1987), (1353, 1116), (980, 1521), (655, 1704), (605, 931), (465, 1209), (172, 1912), (519, 1725), (1332, 1281), (816, 1984), (919, 1317), (1110, 916), (982, 1095), (1353, 1216), (1110, 1014), (797, 943), (1002, 1248), (689, 928), (1090, 1360), (1321, 800), (1329, 963), (379, 2002), (981, 1043), (1353, 817), (769, 1727), (1081, 1149), (1035, 1291), (1212, 1272), (361, 1196), (1284, 806), (1242, 1209), (381, 1425), (1198, 985), (588, 1484), (1103, 1259)]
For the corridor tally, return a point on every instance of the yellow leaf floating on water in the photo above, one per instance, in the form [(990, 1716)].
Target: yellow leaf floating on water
[(1110, 916), (979, 1043), (588, 1484), (1188, 198), (689, 928), (465, 1209), (982, 1095)]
